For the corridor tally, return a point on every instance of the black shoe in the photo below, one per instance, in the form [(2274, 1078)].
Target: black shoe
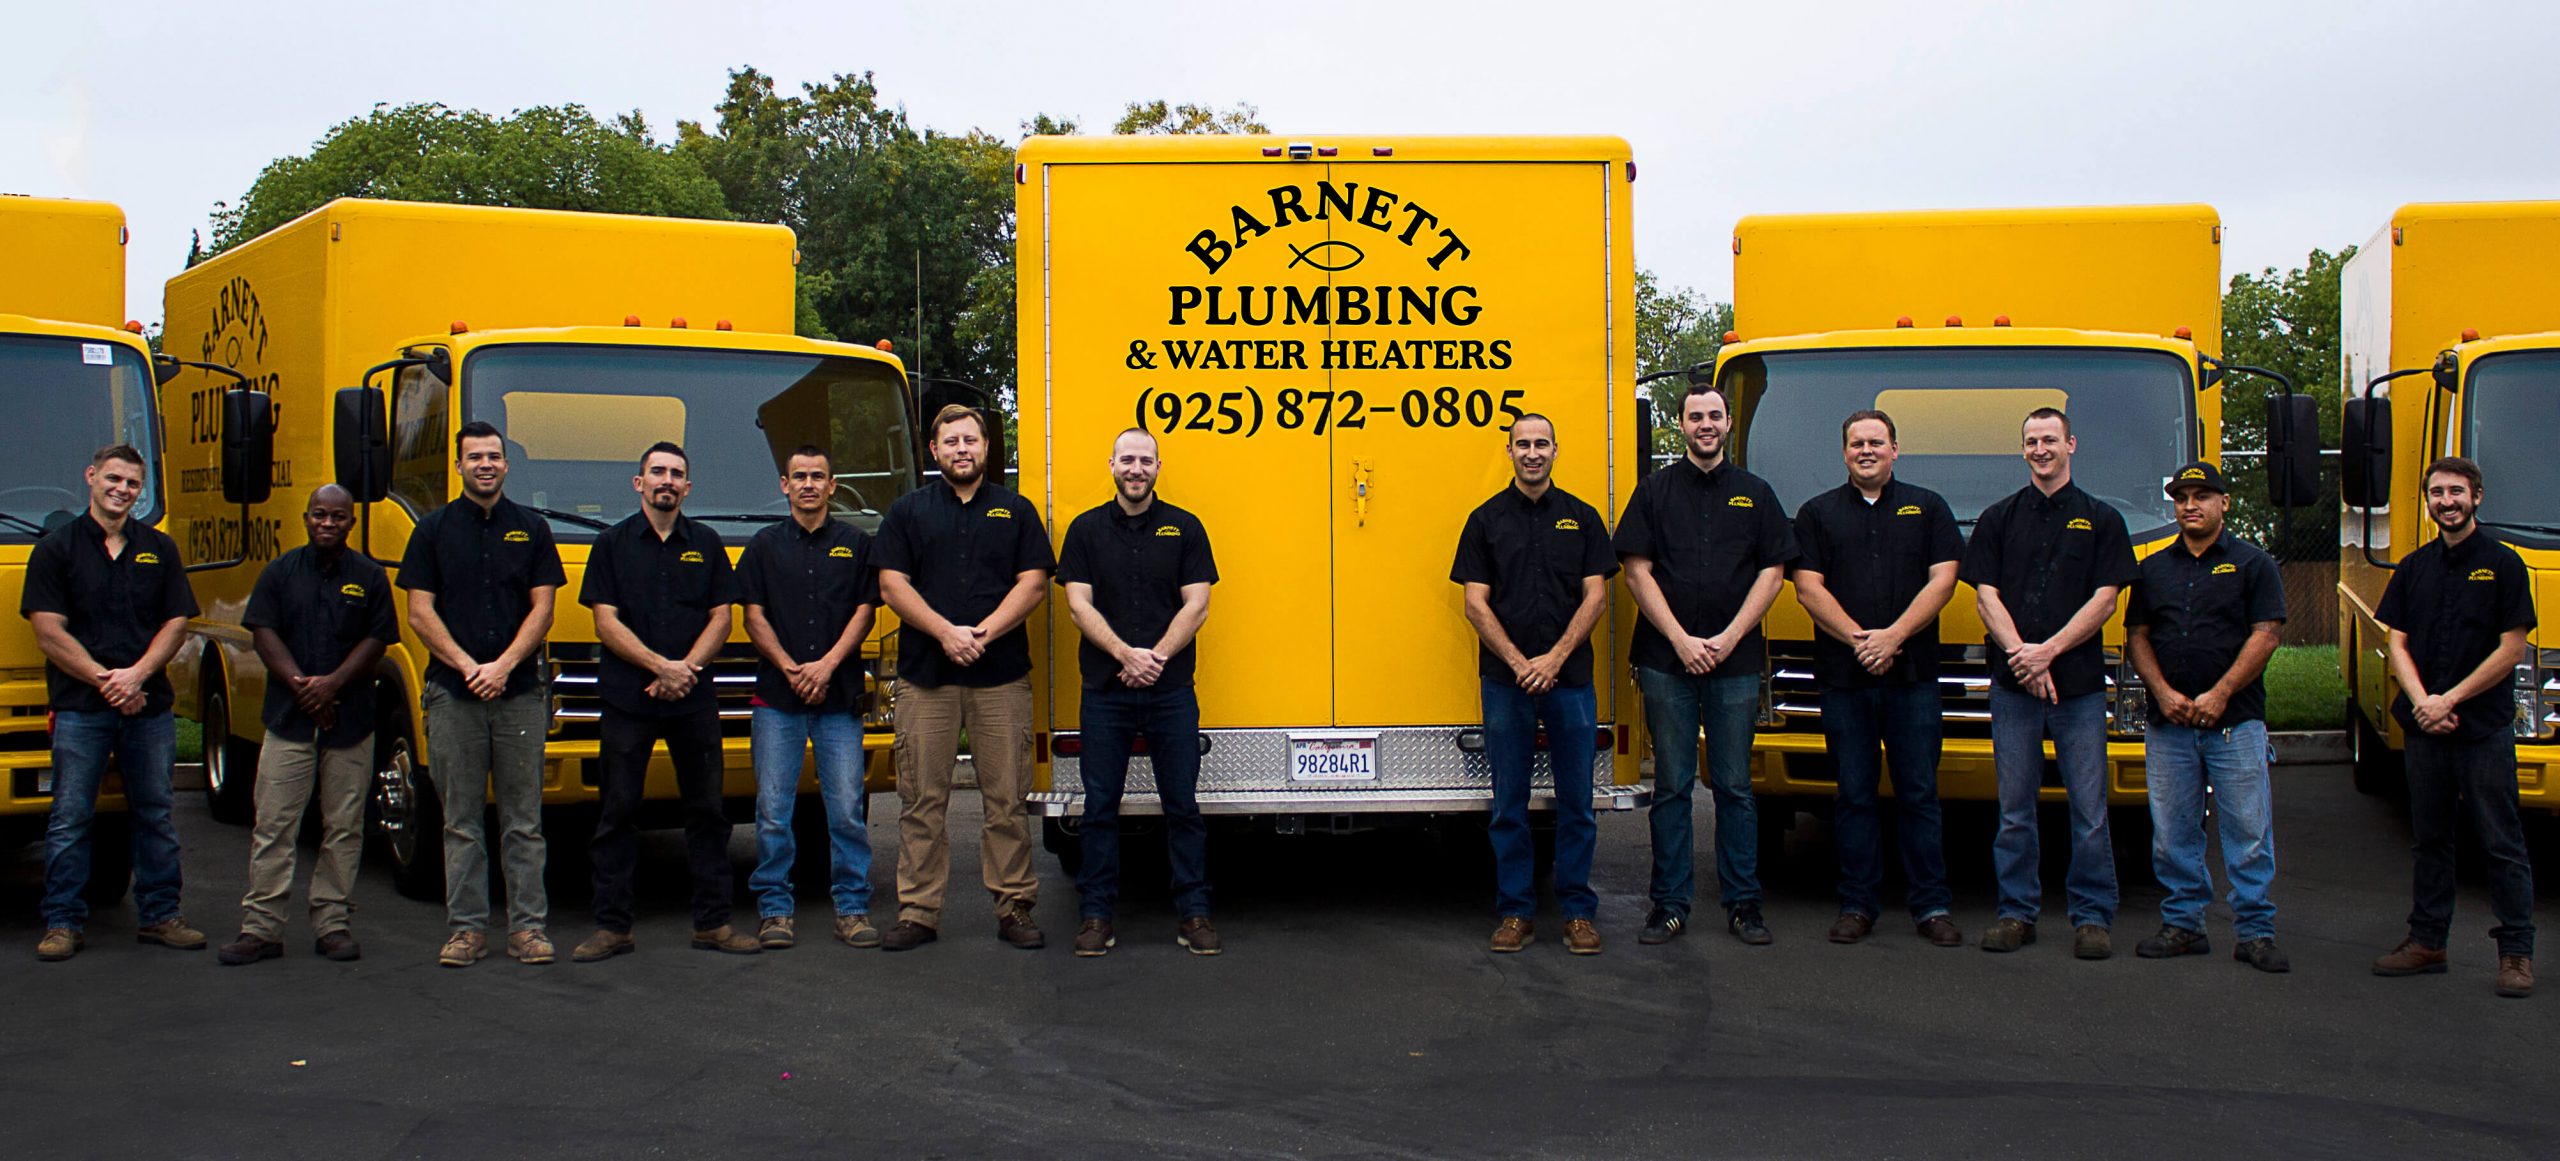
[(248, 949), (1744, 922), (2172, 941), (1662, 926), (908, 935), (2264, 955)]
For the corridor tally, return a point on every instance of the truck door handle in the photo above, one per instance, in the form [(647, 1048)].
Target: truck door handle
[(1360, 468)]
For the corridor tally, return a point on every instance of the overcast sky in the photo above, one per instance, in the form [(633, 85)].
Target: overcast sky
[(2303, 123)]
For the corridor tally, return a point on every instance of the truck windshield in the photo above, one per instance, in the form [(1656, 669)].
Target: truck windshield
[(2507, 417), (73, 397), (1958, 411), (578, 417)]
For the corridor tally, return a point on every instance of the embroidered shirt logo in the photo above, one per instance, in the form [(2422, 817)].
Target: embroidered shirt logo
[(691, 558), (1000, 513), (519, 536), (1168, 530), (2220, 569), (841, 551), (1568, 524), (2192, 474), (146, 558), (1907, 510), (1738, 502), (2485, 574), (352, 589), (2079, 524)]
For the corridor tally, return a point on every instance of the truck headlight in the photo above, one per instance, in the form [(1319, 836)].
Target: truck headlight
[(2537, 687), (2128, 701)]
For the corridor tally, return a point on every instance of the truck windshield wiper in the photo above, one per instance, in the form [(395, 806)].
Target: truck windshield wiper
[(22, 522), (2520, 526), (571, 517), (745, 517)]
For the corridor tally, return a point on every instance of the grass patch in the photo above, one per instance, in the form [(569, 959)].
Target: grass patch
[(190, 740), (2303, 689)]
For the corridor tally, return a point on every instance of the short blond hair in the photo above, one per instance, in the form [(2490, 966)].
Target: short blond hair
[(953, 413)]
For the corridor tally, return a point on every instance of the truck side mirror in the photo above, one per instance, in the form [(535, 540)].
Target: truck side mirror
[(360, 439), (2364, 457), (165, 367), (2448, 371), (2293, 449), (248, 446), (1644, 434)]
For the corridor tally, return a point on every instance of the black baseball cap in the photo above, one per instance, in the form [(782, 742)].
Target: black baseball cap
[(2195, 475)]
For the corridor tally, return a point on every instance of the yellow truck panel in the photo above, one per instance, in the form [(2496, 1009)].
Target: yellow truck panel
[(64, 258)]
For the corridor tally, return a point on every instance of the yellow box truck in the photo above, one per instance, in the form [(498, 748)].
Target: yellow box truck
[(1328, 337), (583, 337), (1957, 324), (2451, 319)]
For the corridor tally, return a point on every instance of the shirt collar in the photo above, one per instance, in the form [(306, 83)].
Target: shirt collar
[(1707, 476)]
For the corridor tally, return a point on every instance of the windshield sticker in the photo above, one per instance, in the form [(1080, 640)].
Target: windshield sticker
[(97, 354)]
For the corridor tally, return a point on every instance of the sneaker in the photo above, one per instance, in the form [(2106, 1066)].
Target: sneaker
[(1095, 938), (1196, 934), (1581, 937), (1014, 926), (774, 932), (248, 949), (531, 946), (1851, 927), (58, 944), (2090, 941), (726, 940), (1941, 931), (604, 945), (1661, 926), (463, 949), (2173, 941), (1744, 922), (2263, 954), (2008, 933), (338, 947), (2515, 976), (1513, 934), (855, 930), (908, 935), (2411, 958), (172, 932)]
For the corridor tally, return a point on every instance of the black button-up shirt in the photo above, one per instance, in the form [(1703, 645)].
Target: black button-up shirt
[(2048, 555), (809, 584), (2199, 609), (113, 606), (963, 559), (1137, 566), (2455, 604), (1708, 535), (482, 566), (1534, 555), (1875, 559), (664, 590), (322, 611)]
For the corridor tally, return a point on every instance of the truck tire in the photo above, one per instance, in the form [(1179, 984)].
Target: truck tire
[(1065, 843), (230, 764), (406, 812), (2378, 769)]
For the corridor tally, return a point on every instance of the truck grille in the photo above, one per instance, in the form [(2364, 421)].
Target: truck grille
[(1964, 691), (577, 700)]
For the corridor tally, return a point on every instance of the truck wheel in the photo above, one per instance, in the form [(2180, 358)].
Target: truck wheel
[(406, 812), (1065, 843), (2378, 770), (230, 765)]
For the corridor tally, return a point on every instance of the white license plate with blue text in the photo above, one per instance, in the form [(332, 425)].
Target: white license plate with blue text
[(1333, 757)]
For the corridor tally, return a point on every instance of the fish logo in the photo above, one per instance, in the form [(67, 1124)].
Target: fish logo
[(1335, 264), (841, 551), (690, 558), (2485, 574), (519, 536), (1000, 513), (146, 558), (2220, 569), (2079, 524), (352, 589), (1907, 510), (1168, 530), (1738, 502)]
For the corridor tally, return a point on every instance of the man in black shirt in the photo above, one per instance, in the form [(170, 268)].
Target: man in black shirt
[(963, 561), (660, 586), (1706, 546), (319, 718), (482, 574), (808, 587), (1137, 572), (1534, 564), (109, 601), (2046, 563), (1879, 562), (2460, 611), (2200, 622)]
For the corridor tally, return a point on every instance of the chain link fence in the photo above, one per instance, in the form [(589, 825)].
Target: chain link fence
[(2304, 542)]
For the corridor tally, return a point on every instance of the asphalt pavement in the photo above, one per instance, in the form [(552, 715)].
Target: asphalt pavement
[(1354, 1014)]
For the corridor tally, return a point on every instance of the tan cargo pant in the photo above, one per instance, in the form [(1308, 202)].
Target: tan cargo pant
[(289, 773), (998, 719)]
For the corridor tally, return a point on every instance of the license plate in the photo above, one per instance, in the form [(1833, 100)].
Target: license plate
[(1333, 757), (44, 782)]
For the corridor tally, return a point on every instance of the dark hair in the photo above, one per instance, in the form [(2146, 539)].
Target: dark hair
[(1141, 432), (2453, 466), (2047, 413), (118, 451), (1516, 422), (1697, 388), (952, 413), (1867, 413), (479, 429), (804, 451), (671, 448)]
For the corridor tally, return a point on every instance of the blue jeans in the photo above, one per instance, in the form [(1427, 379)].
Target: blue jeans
[(143, 746), (1905, 721), (1676, 707), (2181, 762), (1114, 720), (779, 739), (1511, 719), (2020, 723)]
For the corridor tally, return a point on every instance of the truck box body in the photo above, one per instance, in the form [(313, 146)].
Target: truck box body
[(1328, 341), (1958, 323), (62, 260), (2476, 285)]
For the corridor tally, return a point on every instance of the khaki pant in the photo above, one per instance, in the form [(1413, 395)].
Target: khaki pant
[(289, 773), (930, 719)]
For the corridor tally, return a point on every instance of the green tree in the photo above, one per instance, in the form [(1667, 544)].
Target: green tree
[(551, 157), (1157, 117), (1676, 328), (2287, 322)]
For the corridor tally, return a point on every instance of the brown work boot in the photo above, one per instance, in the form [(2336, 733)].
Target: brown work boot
[(338, 947), (1196, 933), (1941, 931), (58, 944), (172, 932), (2008, 933), (775, 932), (1513, 934), (604, 945), (855, 930), (1095, 937), (907, 935), (1581, 938), (248, 949), (727, 940), (463, 949), (530, 947), (2411, 958), (1014, 926), (2515, 976), (1851, 927), (2090, 941)]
